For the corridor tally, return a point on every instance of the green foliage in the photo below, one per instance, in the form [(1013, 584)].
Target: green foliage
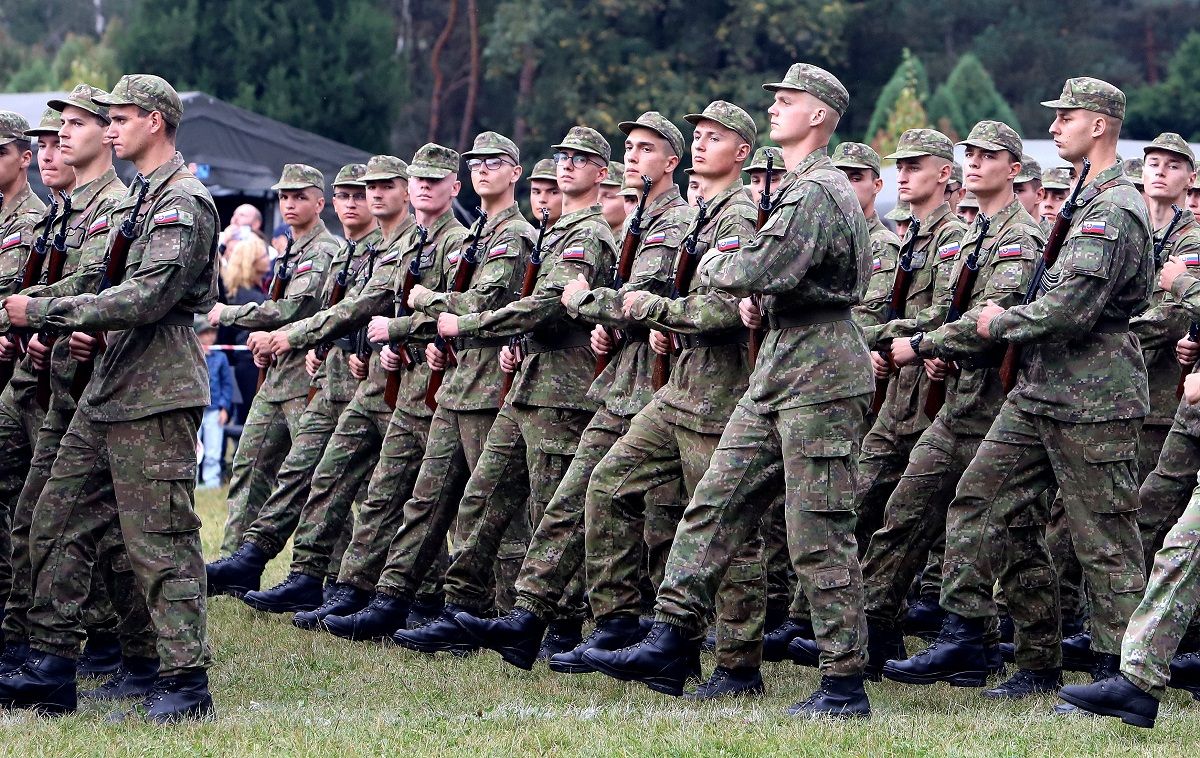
[(969, 96), (1172, 105), (909, 75)]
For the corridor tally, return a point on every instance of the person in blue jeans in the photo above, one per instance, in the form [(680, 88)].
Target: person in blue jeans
[(216, 415)]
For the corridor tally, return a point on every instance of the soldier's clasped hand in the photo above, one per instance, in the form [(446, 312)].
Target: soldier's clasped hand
[(1171, 270), (1187, 352), (82, 346), (16, 306), (750, 312), (984, 323), (448, 325), (602, 344), (579, 284), (377, 330), (510, 359), (435, 358), (659, 342)]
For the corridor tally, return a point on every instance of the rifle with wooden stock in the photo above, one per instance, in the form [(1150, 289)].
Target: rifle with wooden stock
[(624, 268), (936, 397), (685, 269), (30, 276), (55, 265), (1054, 242), (338, 293), (895, 309), (764, 213), (115, 260), (463, 272), (279, 283), (412, 277), (532, 267)]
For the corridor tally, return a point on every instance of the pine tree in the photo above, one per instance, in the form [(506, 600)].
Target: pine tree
[(909, 75)]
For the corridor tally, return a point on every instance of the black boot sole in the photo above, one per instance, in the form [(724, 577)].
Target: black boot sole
[(1133, 719), (457, 649), (353, 635), (270, 607), (957, 679), (203, 711), (665, 685), (512, 655), (559, 667)]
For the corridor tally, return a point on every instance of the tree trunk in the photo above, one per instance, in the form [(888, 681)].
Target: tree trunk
[(468, 115), (435, 56), (524, 92)]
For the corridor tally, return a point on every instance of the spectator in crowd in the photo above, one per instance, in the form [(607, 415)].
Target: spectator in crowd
[(216, 415), (242, 275)]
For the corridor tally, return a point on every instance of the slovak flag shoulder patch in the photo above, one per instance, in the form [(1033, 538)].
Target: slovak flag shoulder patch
[(452, 257), (1009, 251), (388, 258), (876, 264), (1191, 259), (574, 254), (11, 240), (1094, 227), (100, 225), (948, 251), (656, 239), (303, 268), (729, 243), (497, 251)]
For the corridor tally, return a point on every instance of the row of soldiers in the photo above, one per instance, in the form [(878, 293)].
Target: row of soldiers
[(767, 406)]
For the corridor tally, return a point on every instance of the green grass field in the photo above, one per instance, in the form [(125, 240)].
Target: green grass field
[(282, 691)]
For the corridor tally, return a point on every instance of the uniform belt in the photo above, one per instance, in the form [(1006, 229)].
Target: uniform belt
[(416, 350), (178, 318), (716, 339), (344, 343), (814, 316), (636, 334), (1111, 326), (476, 343), (559, 342)]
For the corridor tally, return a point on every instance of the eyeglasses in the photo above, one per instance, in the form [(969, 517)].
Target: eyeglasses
[(578, 160), (358, 197), (492, 164)]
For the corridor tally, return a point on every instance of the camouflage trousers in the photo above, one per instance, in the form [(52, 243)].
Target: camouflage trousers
[(810, 452), (266, 439), (884, 456), (664, 508), (1021, 457), (1168, 483), (524, 441), (417, 552), (784, 596), (654, 452), (1159, 622), (141, 476), (20, 419)]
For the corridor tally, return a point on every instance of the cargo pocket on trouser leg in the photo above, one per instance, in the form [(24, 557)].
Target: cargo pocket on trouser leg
[(170, 508)]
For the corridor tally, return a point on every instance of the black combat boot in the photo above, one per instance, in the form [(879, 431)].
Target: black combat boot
[(840, 697), (14, 655), (516, 635), (924, 618), (562, 635), (1185, 673), (883, 644), (1077, 652), (299, 592), (44, 683), (344, 601), (330, 590), (442, 635), (383, 615), (1007, 628), (612, 633), (239, 573), (424, 610), (662, 661), (1104, 666), (1115, 696), (957, 657), (134, 679), (995, 660), (1026, 683), (804, 652), (724, 683), (183, 697), (101, 656), (776, 640), (709, 643)]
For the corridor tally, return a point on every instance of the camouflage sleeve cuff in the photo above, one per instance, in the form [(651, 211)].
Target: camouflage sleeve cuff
[(422, 300), (577, 300), (35, 312), (648, 306), (1182, 284), (298, 337), (230, 313), (999, 326), (400, 328), (5, 324), (468, 324)]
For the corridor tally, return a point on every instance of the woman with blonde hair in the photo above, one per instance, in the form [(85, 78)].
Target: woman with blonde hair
[(242, 271)]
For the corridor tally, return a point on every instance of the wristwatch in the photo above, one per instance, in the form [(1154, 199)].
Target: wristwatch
[(915, 342)]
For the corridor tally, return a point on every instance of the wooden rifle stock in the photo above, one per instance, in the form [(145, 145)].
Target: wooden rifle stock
[(279, 283), (467, 264), (412, 276), (532, 267), (30, 277), (56, 262), (114, 273), (1058, 234), (764, 213), (900, 287), (624, 267), (936, 397), (336, 294), (685, 268)]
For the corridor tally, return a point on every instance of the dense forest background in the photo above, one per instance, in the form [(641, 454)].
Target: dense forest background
[(389, 75)]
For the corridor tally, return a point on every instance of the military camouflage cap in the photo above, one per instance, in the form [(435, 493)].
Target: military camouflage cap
[(433, 161), (1057, 178), (50, 123), (817, 82), (633, 192), (1171, 143), (382, 167), (729, 116), (917, 142), (616, 175), (493, 143), (81, 97), (759, 162), (902, 212), (1196, 184), (12, 127), (994, 135), (1031, 170), (148, 92), (660, 125), (969, 201), (297, 176), (956, 175), (586, 140), (1133, 170), (1092, 95), (351, 175), (856, 155), (544, 169)]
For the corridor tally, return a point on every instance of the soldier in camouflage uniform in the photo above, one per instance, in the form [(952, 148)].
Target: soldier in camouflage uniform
[(611, 203), (757, 171), (653, 148), (273, 421), (797, 426), (369, 432), (128, 456), (544, 191), (1056, 185), (901, 216), (1028, 185), (1061, 424), (545, 412), (954, 188)]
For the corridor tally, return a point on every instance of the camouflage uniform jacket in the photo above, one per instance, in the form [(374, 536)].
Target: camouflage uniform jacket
[(153, 362), (578, 243), (1160, 327), (506, 239), (885, 249), (1081, 363), (334, 374), (934, 256), (706, 381), (312, 257), (18, 217), (811, 262), (626, 384), (1007, 257)]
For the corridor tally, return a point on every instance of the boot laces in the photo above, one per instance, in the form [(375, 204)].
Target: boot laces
[(339, 594)]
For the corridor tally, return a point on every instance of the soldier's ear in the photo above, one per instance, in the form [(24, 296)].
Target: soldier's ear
[(743, 152), (454, 188)]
